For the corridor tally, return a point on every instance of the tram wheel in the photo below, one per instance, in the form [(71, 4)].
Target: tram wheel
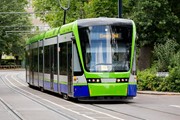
[(65, 96), (29, 85), (41, 89)]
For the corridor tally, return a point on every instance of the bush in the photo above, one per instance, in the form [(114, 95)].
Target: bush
[(173, 81), (147, 80), (167, 59), (164, 54), (174, 73)]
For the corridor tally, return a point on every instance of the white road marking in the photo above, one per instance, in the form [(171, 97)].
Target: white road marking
[(65, 107), (18, 81), (177, 106)]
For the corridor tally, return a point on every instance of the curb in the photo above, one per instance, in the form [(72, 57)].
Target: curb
[(157, 93)]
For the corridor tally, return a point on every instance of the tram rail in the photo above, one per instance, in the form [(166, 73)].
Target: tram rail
[(24, 93), (13, 112), (83, 109)]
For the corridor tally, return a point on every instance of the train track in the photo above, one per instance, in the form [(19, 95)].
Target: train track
[(137, 106), (23, 93), (18, 80), (156, 110), (115, 111), (9, 109), (18, 77), (94, 107)]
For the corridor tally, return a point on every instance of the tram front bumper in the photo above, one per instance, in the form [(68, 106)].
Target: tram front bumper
[(105, 89), (108, 89)]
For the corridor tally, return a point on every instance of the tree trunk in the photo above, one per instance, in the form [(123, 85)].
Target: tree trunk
[(17, 60), (145, 57)]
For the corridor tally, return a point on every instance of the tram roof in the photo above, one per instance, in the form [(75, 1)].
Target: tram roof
[(36, 38), (51, 33), (103, 21)]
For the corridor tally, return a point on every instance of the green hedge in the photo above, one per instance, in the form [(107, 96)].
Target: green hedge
[(147, 80)]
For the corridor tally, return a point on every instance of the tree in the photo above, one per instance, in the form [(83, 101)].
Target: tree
[(54, 14), (78, 9), (166, 55), (9, 40), (101, 8), (155, 23)]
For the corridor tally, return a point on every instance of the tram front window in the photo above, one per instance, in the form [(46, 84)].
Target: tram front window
[(106, 48)]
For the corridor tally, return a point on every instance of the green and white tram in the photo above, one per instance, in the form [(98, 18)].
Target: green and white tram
[(86, 59)]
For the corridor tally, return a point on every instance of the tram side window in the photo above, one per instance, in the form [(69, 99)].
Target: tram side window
[(41, 59), (55, 59), (63, 58), (77, 67), (35, 59), (27, 59), (31, 60), (46, 59)]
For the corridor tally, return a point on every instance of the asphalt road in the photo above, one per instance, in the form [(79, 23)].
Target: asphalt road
[(19, 102)]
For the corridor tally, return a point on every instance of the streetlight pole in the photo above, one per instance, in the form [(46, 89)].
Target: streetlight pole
[(119, 8)]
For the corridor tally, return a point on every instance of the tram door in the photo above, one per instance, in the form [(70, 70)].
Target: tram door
[(49, 67), (69, 44)]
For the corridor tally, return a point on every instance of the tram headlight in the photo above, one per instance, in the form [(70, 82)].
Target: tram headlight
[(122, 80), (89, 80), (94, 80), (118, 80), (97, 80)]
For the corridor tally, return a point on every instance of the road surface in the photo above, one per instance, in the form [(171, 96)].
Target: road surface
[(19, 102)]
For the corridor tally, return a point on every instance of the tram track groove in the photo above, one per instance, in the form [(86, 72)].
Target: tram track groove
[(99, 107), (17, 77), (113, 117), (17, 115), (20, 78), (137, 107), (24, 93), (155, 110), (118, 112)]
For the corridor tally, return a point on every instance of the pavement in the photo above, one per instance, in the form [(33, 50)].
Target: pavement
[(158, 93)]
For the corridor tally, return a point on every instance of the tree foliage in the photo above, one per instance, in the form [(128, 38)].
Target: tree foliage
[(12, 42), (54, 14), (78, 9), (101, 8), (155, 21), (165, 54)]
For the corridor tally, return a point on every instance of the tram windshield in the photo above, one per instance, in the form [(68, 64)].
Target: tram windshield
[(106, 48)]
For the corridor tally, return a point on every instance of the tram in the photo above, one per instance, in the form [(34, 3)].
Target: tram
[(88, 59)]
